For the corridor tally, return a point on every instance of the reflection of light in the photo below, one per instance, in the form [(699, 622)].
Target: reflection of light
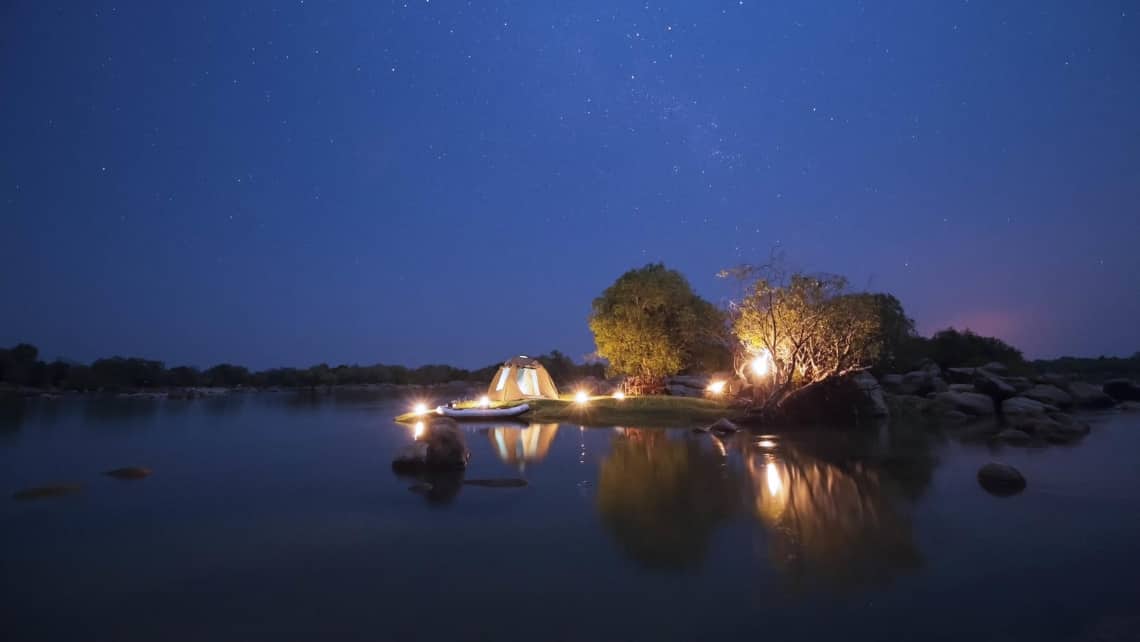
[(419, 409), (716, 387), (775, 484), (581, 398), (762, 363), (418, 430), (766, 443), (619, 395), (484, 402)]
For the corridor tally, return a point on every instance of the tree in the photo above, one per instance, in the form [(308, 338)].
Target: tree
[(649, 323), (807, 328)]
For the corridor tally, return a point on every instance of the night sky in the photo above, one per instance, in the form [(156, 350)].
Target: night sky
[(355, 181)]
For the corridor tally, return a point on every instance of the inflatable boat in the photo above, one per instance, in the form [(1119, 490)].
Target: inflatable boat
[(482, 413)]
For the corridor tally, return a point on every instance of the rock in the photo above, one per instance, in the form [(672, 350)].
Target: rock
[(1013, 436), (410, 458), (723, 427), (954, 417), (960, 375), (446, 448), (1050, 394), (1087, 395), (892, 382), (990, 384), (1062, 428), (971, 403), (1024, 406), (1122, 390), (1020, 384), (1129, 406), (421, 488), (1000, 479), (962, 387), (923, 381), (1053, 379), (497, 483), (869, 386), (995, 367), (44, 492), (129, 472)]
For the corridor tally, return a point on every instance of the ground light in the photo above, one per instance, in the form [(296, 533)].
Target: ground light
[(581, 398), (762, 363), (419, 409), (716, 387), (484, 402), (619, 395)]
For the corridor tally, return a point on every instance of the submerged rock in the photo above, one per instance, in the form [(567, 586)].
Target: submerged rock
[(128, 472), (410, 458), (44, 492), (1001, 479), (723, 427), (1024, 406), (1087, 395)]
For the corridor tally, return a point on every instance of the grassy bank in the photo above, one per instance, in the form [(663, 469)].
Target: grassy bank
[(651, 411)]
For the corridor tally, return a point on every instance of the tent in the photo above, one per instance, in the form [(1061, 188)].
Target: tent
[(521, 378)]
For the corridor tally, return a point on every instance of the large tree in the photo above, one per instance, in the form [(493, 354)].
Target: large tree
[(807, 328), (649, 324)]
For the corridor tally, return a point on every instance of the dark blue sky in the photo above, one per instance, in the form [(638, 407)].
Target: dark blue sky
[(352, 181)]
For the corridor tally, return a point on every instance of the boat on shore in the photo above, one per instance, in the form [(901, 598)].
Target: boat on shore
[(482, 413)]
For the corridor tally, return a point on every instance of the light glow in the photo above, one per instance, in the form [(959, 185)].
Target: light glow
[(762, 363), (419, 409), (581, 398), (775, 484), (766, 443), (619, 395), (418, 430), (716, 387), (484, 402)]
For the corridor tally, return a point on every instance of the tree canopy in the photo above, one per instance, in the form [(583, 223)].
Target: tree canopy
[(650, 324)]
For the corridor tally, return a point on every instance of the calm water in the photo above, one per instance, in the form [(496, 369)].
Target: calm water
[(276, 517)]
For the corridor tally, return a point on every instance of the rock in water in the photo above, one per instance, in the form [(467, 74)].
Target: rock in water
[(869, 386), (1000, 479), (1089, 396), (1049, 394), (723, 427), (1024, 406), (1013, 436), (990, 384), (446, 448), (971, 403), (410, 458), (44, 492), (128, 472), (1122, 390)]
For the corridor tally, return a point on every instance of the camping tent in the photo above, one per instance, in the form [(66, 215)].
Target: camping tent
[(521, 378)]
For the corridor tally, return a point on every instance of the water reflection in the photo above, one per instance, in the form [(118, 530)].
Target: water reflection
[(830, 512), (518, 446), (663, 496), (830, 524)]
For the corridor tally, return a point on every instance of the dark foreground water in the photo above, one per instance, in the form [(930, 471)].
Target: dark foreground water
[(275, 517)]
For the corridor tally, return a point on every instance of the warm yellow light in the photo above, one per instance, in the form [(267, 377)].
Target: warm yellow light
[(619, 395), (419, 409), (762, 363), (775, 484), (484, 402), (581, 397), (716, 387), (418, 430), (766, 443)]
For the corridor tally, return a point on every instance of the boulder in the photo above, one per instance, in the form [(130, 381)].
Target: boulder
[(1024, 406), (960, 375), (410, 458), (1122, 390), (962, 387), (440, 448), (990, 384), (970, 403), (921, 382), (723, 427), (1013, 436), (869, 386), (1129, 406), (1053, 379), (129, 472), (1054, 427), (1087, 395), (1001, 479), (995, 367), (1046, 393), (892, 382), (1020, 384)]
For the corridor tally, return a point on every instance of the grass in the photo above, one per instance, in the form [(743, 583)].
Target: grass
[(649, 411)]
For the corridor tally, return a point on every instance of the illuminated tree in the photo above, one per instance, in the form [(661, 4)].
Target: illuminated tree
[(804, 328), (649, 324)]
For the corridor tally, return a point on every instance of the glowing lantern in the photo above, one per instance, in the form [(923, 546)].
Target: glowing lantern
[(484, 402), (581, 398), (419, 409), (762, 363), (619, 395), (716, 387)]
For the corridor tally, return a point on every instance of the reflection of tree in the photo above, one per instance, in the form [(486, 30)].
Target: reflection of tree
[(662, 498), (518, 446), (829, 524)]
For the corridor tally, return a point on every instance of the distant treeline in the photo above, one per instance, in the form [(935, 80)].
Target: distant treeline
[(1098, 369), (20, 366)]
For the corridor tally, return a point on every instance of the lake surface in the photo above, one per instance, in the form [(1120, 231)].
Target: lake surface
[(277, 517)]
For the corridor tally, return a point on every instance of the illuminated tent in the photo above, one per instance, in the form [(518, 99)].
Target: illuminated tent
[(521, 378)]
